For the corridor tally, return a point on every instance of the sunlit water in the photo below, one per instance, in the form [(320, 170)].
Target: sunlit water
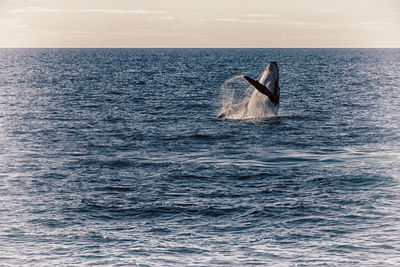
[(116, 156)]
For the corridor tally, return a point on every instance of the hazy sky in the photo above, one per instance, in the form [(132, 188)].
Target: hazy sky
[(199, 23)]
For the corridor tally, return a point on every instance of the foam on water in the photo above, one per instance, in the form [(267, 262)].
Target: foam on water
[(235, 95)]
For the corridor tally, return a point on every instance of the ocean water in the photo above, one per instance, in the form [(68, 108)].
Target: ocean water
[(117, 157)]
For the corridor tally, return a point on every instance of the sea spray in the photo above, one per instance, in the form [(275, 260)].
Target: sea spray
[(234, 91)]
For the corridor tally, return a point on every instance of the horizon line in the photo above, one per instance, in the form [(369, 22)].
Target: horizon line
[(199, 47)]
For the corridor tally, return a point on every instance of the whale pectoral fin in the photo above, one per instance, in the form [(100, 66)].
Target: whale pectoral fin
[(261, 88)]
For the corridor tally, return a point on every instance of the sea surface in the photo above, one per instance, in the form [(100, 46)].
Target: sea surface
[(117, 157)]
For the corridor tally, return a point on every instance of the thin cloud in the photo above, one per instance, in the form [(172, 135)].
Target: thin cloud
[(336, 25), (12, 23), (227, 19), (219, 19), (305, 23), (110, 11), (248, 18), (371, 25), (260, 15), (34, 10), (259, 21), (166, 18), (121, 11), (326, 10)]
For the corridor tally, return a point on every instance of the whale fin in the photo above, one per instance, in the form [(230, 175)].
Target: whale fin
[(262, 89)]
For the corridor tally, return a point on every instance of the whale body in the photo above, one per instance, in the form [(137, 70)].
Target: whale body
[(264, 101)]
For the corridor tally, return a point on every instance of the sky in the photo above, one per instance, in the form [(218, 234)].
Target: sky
[(200, 23)]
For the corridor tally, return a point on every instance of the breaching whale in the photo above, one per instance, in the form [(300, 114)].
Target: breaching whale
[(264, 101)]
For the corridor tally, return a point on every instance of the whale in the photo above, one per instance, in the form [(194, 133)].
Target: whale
[(264, 101)]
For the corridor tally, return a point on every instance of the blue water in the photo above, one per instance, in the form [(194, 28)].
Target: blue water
[(117, 157)]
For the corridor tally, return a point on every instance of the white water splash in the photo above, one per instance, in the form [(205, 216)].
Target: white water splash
[(239, 100)]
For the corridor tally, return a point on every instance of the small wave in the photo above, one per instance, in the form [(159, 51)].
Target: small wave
[(111, 163), (116, 189), (198, 137)]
